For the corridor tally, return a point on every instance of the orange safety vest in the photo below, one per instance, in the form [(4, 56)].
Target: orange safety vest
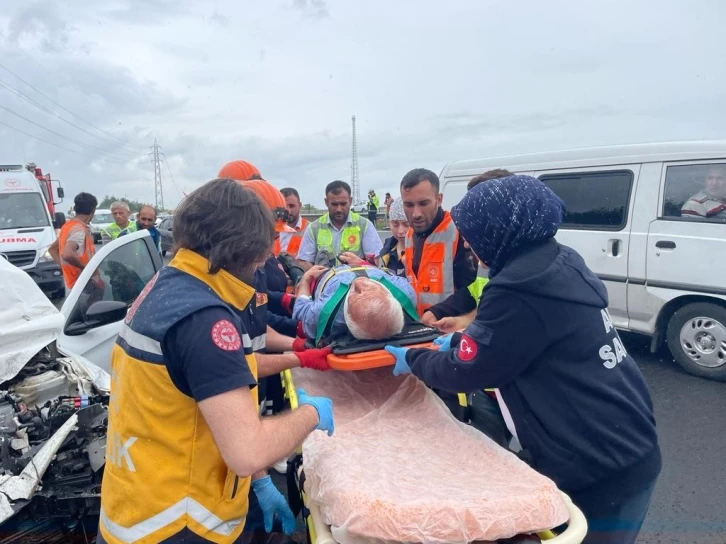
[(435, 279), (293, 247), (71, 272)]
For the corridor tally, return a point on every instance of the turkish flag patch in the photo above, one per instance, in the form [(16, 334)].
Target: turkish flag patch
[(225, 336), (467, 348)]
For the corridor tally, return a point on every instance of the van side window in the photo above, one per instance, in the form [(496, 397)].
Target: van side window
[(593, 200), (696, 192)]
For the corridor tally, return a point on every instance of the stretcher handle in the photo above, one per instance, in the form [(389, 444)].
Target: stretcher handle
[(289, 388), (576, 525)]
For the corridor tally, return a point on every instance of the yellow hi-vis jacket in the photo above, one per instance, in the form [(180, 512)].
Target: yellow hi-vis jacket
[(164, 475)]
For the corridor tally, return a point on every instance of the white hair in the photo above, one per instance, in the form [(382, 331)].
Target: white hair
[(120, 204), (379, 317)]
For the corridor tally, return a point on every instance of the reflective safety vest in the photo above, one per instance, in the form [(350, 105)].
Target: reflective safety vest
[(164, 474), (476, 288), (435, 279), (70, 271), (350, 237), (293, 246), (113, 230)]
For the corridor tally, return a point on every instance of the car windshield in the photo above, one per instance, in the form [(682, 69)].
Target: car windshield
[(102, 218), (22, 210)]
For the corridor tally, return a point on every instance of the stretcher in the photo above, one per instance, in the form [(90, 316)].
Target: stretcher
[(307, 493)]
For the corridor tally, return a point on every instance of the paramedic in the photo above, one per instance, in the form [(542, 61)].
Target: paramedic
[(121, 212), (437, 262), (289, 242), (74, 246), (542, 335), (459, 309), (184, 430), (145, 221), (370, 310), (338, 231)]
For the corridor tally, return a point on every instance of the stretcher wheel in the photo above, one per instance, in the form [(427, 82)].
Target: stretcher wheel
[(368, 359)]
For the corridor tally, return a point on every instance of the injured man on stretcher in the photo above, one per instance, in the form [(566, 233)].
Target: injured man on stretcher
[(363, 300)]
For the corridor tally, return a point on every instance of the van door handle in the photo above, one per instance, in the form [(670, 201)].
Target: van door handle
[(665, 244)]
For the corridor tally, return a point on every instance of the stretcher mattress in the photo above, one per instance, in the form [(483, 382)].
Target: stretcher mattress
[(401, 468)]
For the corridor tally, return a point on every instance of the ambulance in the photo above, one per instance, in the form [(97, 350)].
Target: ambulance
[(27, 229)]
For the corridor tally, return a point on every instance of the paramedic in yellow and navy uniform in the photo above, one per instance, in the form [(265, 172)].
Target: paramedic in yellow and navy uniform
[(338, 231), (185, 440)]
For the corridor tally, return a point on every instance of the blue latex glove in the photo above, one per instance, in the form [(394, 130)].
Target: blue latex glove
[(444, 342), (273, 503), (401, 364), (323, 405)]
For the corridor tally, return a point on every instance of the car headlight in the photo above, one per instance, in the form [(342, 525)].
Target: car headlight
[(45, 257)]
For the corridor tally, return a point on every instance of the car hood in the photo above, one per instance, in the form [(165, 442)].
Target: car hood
[(28, 323)]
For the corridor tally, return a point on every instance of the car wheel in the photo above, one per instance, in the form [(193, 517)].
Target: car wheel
[(696, 336)]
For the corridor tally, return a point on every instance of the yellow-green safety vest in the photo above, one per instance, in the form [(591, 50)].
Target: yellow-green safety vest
[(350, 237), (476, 288), (113, 230)]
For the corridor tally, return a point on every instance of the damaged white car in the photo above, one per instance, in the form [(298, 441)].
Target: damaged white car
[(54, 391)]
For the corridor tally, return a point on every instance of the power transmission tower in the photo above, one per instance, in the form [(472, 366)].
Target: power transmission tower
[(354, 178), (156, 159)]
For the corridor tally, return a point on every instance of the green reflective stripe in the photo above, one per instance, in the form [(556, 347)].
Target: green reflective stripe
[(401, 297), (330, 309), (477, 287)]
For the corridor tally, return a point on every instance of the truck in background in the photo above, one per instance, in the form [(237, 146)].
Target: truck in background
[(27, 228), (52, 191)]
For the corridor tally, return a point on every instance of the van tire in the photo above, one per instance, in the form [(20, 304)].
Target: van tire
[(710, 329)]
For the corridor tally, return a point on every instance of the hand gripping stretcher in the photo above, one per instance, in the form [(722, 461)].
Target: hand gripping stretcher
[(322, 484)]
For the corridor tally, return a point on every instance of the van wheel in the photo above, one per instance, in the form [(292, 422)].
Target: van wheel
[(696, 337)]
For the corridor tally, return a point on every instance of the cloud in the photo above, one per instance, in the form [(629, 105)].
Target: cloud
[(268, 83), (316, 9)]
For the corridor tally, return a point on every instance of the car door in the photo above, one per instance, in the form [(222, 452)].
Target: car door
[(114, 277), (597, 222)]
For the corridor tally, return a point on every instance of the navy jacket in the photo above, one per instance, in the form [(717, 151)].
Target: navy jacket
[(578, 402)]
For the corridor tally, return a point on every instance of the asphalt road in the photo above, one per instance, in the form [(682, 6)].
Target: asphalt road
[(689, 504)]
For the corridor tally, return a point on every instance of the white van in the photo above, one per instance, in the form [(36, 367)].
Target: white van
[(27, 230), (102, 219), (650, 221)]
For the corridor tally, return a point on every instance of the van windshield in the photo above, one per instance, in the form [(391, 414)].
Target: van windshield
[(101, 218), (22, 210)]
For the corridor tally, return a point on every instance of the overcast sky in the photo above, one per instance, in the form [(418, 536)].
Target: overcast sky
[(276, 82)]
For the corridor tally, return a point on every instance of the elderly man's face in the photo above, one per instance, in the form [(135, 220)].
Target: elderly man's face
[(121, 216), (364, 288), (146, 218), (715, 185)]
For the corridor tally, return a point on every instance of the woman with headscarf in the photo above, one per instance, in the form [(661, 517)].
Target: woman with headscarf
[(543, 338), (391, 256)]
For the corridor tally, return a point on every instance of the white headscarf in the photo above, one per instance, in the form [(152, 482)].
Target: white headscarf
[(396, 212)]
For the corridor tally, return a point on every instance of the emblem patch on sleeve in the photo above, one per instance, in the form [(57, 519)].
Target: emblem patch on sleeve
[(467, 348), (225, 336)]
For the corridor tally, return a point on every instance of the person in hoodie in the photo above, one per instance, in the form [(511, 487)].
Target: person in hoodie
[(543, 338)]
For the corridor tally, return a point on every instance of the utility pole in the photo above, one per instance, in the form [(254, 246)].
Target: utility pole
[(156, 159), (354, 178)]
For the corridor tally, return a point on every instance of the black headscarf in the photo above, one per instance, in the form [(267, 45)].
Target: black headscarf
[(498, 216)]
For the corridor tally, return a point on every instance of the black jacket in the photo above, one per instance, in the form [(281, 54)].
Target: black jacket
[(578, 402)]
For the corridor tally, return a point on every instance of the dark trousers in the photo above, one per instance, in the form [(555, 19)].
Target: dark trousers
[(611, 517), (372, 217)]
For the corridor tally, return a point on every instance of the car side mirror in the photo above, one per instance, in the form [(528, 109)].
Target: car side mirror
[(103, 312), (59, 220), (61, 192)]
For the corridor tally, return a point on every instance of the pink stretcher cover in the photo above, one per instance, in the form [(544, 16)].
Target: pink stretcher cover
[(401, 468)]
